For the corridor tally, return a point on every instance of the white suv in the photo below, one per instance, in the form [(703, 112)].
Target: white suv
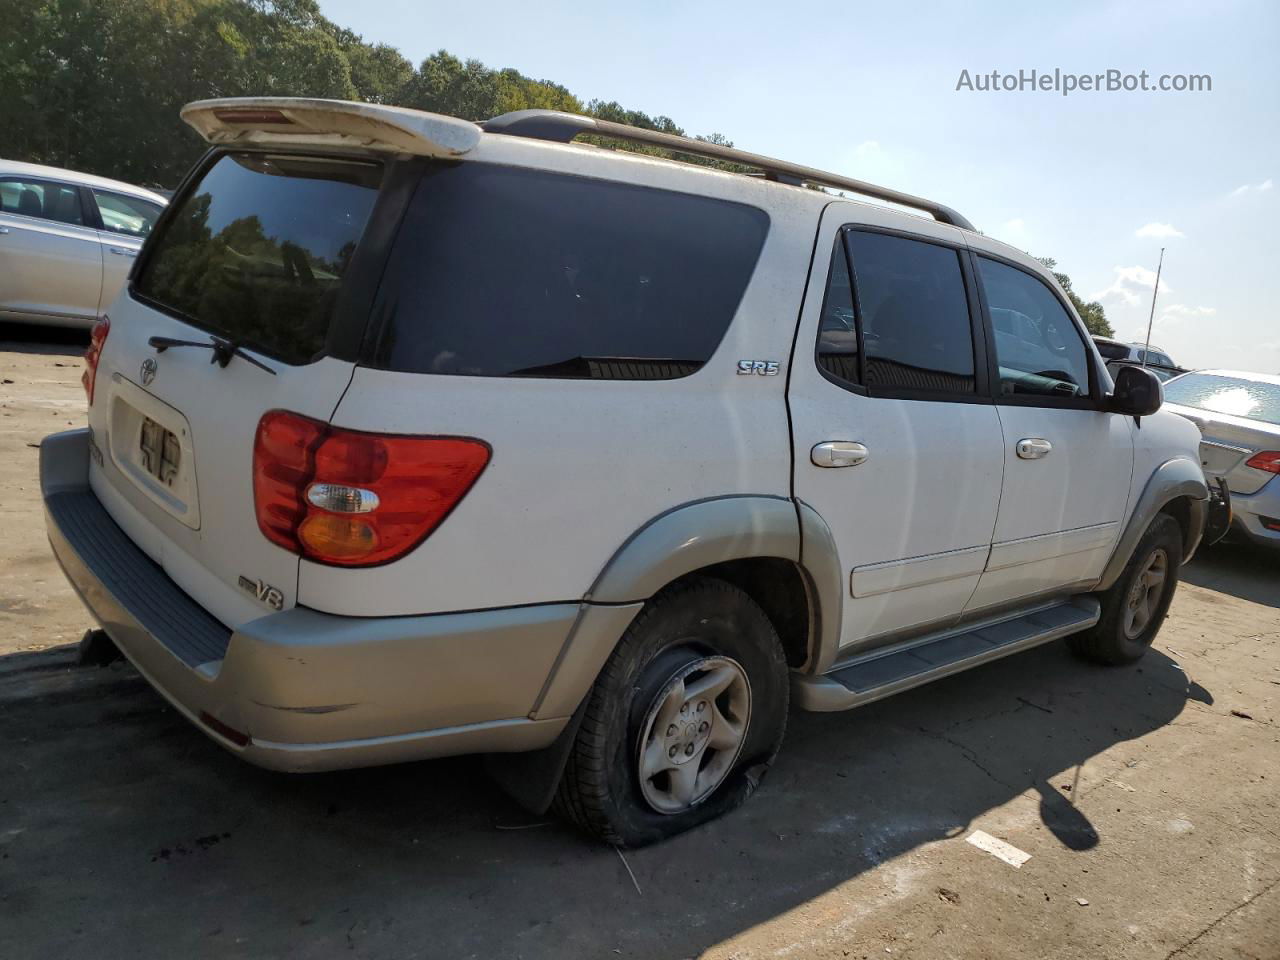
[(414, 437)]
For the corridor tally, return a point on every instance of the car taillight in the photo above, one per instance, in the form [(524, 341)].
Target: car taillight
[(1268, 460), (355, 499), (97, 337)]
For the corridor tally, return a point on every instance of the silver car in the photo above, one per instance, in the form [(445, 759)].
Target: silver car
[(67, 241), (1239, 419)]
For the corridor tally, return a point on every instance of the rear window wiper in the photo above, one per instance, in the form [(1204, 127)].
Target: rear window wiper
[(223, 350)]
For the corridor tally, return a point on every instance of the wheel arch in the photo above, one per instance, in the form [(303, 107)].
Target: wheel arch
[(1176, 487), (777, 550)]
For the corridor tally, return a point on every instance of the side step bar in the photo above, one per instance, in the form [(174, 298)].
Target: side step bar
[(891, 670)]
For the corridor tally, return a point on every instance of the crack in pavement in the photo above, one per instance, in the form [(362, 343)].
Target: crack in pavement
[(1236, 909)]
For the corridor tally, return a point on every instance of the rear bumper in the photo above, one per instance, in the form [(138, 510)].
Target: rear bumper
[(1251, 512), (301, 690)]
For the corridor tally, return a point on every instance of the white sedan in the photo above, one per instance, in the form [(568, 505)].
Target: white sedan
[(67, 241)]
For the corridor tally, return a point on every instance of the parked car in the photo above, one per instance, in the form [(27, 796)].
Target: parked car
[(1238, 415), (512, 445), (1117, 354), (67, 241)]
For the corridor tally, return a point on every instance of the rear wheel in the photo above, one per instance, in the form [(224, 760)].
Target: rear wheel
[(1134, 607), (684, 719)]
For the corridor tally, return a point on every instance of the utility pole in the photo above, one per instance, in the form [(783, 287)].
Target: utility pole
[(1152, 319)]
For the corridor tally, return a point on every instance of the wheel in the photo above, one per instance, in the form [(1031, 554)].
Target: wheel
[(1134, 607), (684, 719)]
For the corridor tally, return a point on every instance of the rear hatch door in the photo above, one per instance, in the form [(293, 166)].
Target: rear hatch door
[(260, 252)]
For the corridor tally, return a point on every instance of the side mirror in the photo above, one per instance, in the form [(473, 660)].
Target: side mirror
[(1137, 394)]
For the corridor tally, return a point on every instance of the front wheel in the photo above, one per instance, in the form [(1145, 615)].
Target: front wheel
[(684, 719), (1134, 607)]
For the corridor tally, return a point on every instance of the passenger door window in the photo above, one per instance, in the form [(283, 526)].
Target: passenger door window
[(1039, 350), (911, 317), (129, 216), (42, 199)]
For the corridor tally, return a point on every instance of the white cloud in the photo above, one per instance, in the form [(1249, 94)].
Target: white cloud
[(1126, 280), (1182, 310), (1244, 188), (1158, 230)]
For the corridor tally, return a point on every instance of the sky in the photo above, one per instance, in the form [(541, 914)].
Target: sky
[(1098, 180)]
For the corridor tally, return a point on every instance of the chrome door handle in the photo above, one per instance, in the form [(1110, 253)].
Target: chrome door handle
[(1033, 448), (838, 453), (3, 230), (123, 252)]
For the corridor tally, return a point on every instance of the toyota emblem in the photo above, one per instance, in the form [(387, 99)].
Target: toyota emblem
[(149, 367)]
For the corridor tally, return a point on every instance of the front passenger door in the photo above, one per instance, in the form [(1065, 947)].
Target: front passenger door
[(1067, 461)]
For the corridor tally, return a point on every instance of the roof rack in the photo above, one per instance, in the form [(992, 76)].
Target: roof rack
[(563, 127)]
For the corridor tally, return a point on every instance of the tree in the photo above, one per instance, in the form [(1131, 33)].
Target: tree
[(1092, 313)]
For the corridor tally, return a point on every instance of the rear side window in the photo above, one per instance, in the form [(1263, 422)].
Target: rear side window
[(499, 271), (1039, 349), (257, 249), (43, 199), (914, 312), (131, 216)]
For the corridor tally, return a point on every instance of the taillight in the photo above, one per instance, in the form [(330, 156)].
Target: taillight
[(1268, 460), (354, 499), (97, 337)]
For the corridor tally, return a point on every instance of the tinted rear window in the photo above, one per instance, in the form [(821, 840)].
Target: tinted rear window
[(1112, 351), (256, 252), (1234, 396), (499, 271)]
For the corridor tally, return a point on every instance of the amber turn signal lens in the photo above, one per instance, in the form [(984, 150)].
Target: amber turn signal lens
[(338, 537)]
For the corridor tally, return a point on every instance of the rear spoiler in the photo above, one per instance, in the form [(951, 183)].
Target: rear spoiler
[(296, 121)]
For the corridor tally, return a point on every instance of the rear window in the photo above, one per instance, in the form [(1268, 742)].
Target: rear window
[(502, 272), (1234, 396), (257, 250), (1112, 351)]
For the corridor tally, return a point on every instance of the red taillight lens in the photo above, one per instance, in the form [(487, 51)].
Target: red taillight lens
[(97, 337), (355, 499), (1268, 460)]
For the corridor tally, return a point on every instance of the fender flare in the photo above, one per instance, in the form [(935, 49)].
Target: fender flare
[(1177, 477), (696, 535), (686, 538)]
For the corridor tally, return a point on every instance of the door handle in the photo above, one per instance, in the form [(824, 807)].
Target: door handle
[(123, 252), (838, 453), (1033, 448), (3, 230)]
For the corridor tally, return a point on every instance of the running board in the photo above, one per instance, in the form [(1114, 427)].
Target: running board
[(891, 670)]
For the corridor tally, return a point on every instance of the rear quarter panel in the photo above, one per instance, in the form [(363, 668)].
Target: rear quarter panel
[(579, 466)]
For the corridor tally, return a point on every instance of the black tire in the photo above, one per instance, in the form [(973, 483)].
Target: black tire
[(1109, 641), (601, 789)]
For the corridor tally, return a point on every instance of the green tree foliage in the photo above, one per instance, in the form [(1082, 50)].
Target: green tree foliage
[(96, 85), (1092, 313)]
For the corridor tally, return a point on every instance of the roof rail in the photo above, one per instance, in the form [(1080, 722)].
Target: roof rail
[(563, 127)]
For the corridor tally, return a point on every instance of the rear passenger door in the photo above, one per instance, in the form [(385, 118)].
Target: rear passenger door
[(896, 440), (50, 264), (1067, 461), (125, 222)]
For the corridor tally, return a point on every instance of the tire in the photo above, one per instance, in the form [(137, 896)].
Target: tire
[(1124, 633), (700, 633)]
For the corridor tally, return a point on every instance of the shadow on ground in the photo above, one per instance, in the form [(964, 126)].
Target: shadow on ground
[(122, 826), (53, 341), (1242, 570)]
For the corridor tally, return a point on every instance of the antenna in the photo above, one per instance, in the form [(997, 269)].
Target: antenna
[(1152, 319)]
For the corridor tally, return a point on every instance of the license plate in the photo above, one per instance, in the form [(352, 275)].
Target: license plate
[(160, 453)]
